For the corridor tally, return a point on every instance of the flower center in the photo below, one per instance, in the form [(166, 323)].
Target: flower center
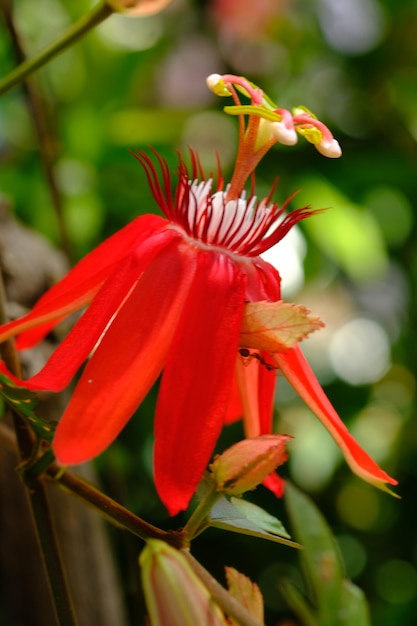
[(242, 226), (238, 225)]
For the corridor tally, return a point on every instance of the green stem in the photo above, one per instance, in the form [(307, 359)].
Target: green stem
[(73, 34), (198, 519)]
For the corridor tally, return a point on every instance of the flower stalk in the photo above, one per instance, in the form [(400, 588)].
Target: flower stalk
[(197, 522)]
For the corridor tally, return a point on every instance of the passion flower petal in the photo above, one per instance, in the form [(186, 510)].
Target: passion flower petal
[(199, 366), (298, 372)]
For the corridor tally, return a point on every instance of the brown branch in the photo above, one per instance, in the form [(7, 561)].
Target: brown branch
[(112, 510), (37, 498)]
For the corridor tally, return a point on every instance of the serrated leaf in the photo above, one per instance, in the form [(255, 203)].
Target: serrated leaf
[(246, 592), (246, 520), (276, 326)]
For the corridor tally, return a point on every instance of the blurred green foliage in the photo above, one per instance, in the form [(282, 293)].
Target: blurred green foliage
[(139, 82)]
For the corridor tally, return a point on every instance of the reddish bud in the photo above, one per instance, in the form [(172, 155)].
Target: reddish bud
[(246, 464)]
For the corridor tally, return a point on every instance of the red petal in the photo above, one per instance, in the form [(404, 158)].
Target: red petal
[(298, 372), (81, 340), (275, 483), (127, 361), (247, 379), (256, 385), (263, 281), (197, 379), (234, 409), (266, 393), (78, 287), (265, 385)]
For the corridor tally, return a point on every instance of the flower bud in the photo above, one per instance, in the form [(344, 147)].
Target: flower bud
[(217, 85), (138, 7), (247, 463), (174, 595), (284, 130), (284, 134), (329, 149)]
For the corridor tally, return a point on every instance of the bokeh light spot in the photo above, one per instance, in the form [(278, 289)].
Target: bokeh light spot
[(396, 581), (122, 32), (397, 388), (352, 26), (74, 176), (313, 453), (359, 506), (83, 217), (360, 351), (377, 427)]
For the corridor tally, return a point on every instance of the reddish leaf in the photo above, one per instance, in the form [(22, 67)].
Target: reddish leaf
[(276, 326)]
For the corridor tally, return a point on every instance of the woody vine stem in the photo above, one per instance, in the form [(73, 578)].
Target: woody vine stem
[(37, 498), (125, 519)]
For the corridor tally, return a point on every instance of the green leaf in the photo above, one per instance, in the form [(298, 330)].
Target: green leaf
[(320, 558), (337, 601), (354, 610), (298, 604), (243, 517), (260, 517), (24, 402)]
